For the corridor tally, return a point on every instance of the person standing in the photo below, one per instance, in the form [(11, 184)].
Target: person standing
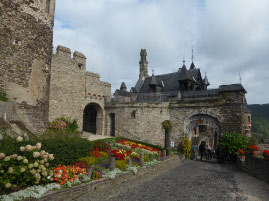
[(194, 151), (202, 150), (209, 152)]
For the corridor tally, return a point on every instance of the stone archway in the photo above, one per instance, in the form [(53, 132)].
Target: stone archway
[(93, 118), (203, 127)]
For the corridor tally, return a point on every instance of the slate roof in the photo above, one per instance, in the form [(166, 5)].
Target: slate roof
[(232, 87), (169, 82), (122, 93)]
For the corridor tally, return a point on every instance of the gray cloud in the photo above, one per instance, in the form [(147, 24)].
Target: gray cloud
[(228, 37)]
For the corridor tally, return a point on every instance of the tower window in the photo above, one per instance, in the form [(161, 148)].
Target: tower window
[(80, 65), (48, 6)]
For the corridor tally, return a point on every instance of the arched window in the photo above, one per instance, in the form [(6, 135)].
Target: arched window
[(48, 6)]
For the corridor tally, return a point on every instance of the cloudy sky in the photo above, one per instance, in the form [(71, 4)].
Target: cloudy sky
[(228, 37)]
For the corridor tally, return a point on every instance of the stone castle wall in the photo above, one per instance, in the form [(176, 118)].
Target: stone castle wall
[(72, 88), (145, 125), (226, 113), (26, 32)]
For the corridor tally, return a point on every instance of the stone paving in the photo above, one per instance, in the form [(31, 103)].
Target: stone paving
[(194, 181)]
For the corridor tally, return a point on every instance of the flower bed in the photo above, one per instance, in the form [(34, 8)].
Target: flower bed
[(30, 166)]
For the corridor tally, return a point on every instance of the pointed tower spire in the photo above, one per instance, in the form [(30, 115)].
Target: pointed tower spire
[(206, 80), (192, 67)]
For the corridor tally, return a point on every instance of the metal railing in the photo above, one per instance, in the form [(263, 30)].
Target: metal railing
[(163, 97)]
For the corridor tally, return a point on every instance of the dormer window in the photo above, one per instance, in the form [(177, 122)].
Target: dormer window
[(48, 6)]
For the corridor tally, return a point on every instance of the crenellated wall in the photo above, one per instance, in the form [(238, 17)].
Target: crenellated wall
[(72, 88), (26, 32)]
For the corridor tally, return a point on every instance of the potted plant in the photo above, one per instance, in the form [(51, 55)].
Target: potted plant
[(265, 154), (241, 153), (253, 149)]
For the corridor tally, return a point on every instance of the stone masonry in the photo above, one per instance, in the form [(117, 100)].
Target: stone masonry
[(26, 32), (223, 114), (72, 88)]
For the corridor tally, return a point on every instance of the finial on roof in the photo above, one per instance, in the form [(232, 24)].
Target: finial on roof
[(153, 71), (192, 54), (240, 78), (184, 59)]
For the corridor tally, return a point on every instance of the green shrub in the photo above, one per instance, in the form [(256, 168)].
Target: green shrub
[(146, 158), (69, 150), (3, 97), (186, 147), (62, 126), (26, 166), (121, 164), (231, 143)]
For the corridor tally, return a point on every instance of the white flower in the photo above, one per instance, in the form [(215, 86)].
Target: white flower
[(42, 162), (19, 158), (44, 173), (48, 177), (30, 166), (19, 139), (8, 185), (34, 147), (37, 176), (7, 158), (13, 156), (38, 170), (38, 145), (2, 155), (25, 161), (23, 169), (36, 164), (36, 154), (51, 157), (47, 164), (28, 147), (22, 149), (10, 170), (33, 172), (2, 171)]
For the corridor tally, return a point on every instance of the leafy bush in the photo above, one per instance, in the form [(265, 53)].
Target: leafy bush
[(67, 150), (167, 125), (3, 97), (63, 126), (186, 147), (121, 164), (231, 143), (28, 165)]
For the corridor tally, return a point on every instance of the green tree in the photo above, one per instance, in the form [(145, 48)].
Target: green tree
[(231, 143), (186, 147)]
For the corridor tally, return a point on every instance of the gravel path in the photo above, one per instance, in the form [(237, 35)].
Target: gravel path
[(196, 180)]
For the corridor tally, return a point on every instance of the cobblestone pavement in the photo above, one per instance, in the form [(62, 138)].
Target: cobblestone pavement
[(195, 180)]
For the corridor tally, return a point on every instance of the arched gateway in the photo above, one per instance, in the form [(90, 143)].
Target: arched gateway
[(203, 127), (92, 118)]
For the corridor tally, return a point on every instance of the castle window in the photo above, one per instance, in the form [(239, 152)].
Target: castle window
[(80, 65), (133, 113), (48, 6)]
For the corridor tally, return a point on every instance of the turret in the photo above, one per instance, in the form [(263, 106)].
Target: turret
[(143, 65), (123, 86)]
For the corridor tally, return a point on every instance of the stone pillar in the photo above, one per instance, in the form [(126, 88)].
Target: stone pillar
[(159, 156), (164, 153), (130, 162), (141, 159), (112, 163)]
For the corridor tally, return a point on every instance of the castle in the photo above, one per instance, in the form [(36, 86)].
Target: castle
[(42, 86)]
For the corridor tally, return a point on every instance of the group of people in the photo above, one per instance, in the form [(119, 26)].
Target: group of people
[(203, 149)]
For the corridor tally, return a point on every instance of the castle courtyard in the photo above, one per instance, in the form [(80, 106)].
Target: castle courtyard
[(193, 181)]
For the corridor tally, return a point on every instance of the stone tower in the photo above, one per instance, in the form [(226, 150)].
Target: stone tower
[(26, 33), (143, 65)]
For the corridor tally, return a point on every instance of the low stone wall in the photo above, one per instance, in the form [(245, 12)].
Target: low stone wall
[(257, 167), (97, 190)]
